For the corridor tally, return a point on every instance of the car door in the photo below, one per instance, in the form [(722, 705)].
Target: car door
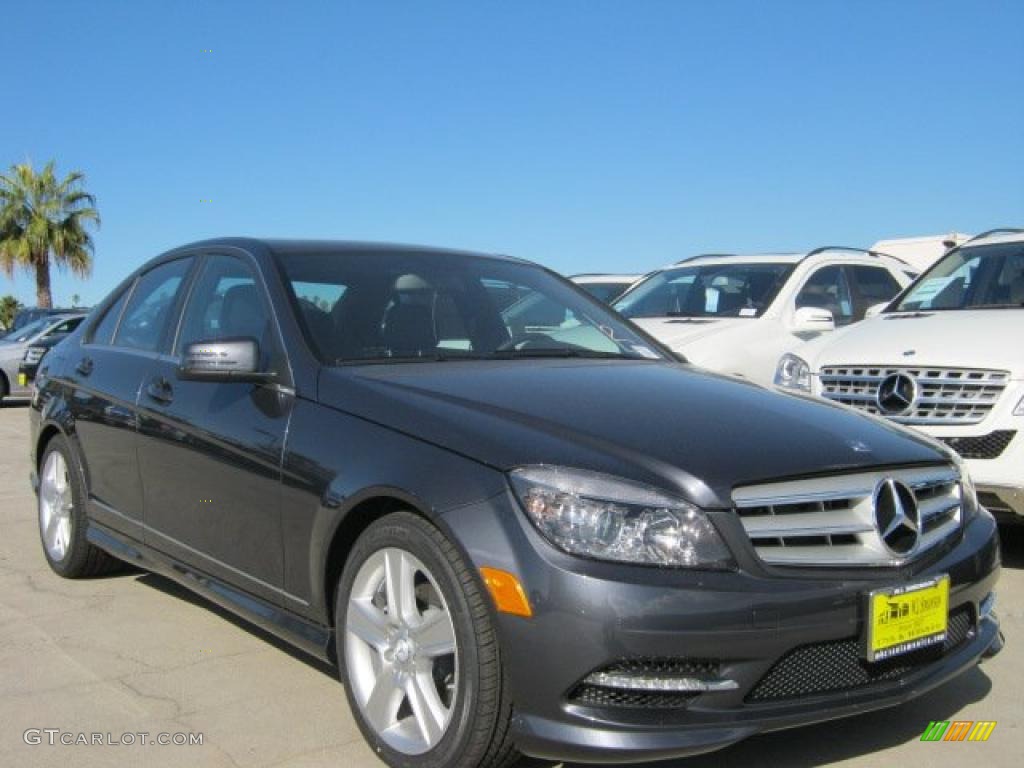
[(210, 452), (104, 374)]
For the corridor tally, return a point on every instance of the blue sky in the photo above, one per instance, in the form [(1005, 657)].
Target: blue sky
[(588, 135)]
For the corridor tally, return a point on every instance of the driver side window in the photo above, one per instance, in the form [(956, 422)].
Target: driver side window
[(827, 289), (227, 302)]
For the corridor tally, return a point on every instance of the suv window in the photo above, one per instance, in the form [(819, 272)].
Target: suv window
[(874, 286), (145, 318), (227, 302), (103, 331), (827, 289)]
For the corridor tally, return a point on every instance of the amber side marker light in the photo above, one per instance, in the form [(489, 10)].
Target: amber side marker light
[(509, 595)]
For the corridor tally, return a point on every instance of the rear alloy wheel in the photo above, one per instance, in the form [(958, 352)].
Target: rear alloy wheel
[(417, 651), (62, 521)]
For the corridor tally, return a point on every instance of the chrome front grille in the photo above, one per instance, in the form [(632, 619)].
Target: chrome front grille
[(830, 521), (943, 395)]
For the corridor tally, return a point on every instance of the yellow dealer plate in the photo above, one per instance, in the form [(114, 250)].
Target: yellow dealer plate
[(904, 619), (22, 380)]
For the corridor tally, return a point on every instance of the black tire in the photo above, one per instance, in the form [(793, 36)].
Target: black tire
[(4, 388), (477, 735), (81, 559)]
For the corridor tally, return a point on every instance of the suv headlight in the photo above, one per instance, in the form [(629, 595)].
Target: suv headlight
[(793, 372), (607, 518), (34, 354)]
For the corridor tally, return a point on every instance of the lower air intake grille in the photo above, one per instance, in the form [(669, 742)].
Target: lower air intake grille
[(990, 446), (588, 695), (598, 696), (839, 665)]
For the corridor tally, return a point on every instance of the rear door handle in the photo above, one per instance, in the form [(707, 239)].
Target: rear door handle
[(160, 390), (84, 366)]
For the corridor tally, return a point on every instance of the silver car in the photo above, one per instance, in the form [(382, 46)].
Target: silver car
[(14, 345)]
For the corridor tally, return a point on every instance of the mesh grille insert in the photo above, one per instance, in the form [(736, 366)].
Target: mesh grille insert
[(589, 695), (839, 665), (990, 446)]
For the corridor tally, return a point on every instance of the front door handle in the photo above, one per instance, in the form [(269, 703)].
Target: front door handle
[(160, 390), (84, 366)]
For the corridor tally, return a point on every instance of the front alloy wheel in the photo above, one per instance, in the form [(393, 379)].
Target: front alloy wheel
[(400, 651), (418, 651)]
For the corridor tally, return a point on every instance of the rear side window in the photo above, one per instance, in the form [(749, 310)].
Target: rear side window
[(875, 285), (152, 302), (103, 332)]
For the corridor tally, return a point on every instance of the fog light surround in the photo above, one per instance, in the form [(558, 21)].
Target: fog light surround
[(626, 682)]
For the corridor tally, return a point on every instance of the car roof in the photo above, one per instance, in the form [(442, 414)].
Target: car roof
[(598, 277), (285, 246), (994, 236), (790, 258)]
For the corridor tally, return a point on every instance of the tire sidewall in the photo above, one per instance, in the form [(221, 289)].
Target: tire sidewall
[(411, 533)]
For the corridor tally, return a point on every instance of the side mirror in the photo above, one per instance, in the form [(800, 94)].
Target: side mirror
[(876, 309), (223, 360), (813, 320)]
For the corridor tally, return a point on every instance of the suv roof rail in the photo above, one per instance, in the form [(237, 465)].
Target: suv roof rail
[(989, 233), (851, 249), (706, 256)]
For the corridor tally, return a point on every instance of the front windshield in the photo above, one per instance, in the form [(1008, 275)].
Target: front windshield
[(605, 292), (713, 290), (977, 277), (26, 332), (407, 307)]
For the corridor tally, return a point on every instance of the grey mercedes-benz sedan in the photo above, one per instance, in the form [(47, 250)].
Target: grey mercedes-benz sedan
[(515, 522)]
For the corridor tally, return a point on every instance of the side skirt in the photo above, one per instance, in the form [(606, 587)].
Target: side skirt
[(309, 637)]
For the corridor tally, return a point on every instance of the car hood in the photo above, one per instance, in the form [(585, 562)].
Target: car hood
[(960, 339), (677, 332), (665, 424)]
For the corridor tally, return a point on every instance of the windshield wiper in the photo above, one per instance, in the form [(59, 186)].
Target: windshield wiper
[(515, 354)]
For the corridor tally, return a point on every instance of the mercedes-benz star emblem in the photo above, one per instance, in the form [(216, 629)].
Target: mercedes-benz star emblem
[(896, 394), (897, 517)]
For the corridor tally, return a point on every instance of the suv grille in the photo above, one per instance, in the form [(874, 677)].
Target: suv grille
[(990, 446), (830, 521), (840, 666), (943, 395)]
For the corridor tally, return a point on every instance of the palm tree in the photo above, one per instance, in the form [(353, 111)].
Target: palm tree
[(9, 307), (43, 220)]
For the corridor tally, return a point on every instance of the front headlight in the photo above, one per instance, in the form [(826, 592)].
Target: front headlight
[(793, 372), (34, 354), (595, 515)]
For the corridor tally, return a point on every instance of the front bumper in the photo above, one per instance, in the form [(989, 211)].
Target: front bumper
[(588, 615)]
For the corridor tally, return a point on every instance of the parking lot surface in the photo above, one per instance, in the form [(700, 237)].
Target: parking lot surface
[(135, 653)]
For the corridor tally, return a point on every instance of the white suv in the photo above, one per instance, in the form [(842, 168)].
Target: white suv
[(738, 314), (945, 357)]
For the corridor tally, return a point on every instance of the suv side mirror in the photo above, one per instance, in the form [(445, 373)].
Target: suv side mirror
[(223, 360), (813, 320), (876, 309)]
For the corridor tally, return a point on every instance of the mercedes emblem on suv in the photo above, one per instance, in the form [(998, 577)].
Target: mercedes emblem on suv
[(896, 394)]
